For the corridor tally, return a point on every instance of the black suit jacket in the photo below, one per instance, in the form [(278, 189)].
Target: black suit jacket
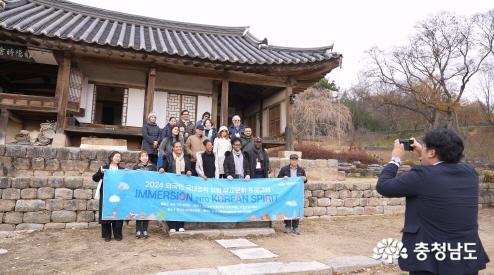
[(169, 163), (252, 161), (229, 164), (441, 206), (285, 172)]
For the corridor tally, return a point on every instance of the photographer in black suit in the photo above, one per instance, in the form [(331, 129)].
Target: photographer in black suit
[(442, 197)]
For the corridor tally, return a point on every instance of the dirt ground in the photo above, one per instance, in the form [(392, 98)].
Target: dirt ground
[(84, 252)]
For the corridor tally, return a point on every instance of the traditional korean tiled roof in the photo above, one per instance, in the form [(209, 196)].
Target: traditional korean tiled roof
[(74, 22)]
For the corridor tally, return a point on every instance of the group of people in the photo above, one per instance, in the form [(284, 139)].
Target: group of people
[(197, 149)]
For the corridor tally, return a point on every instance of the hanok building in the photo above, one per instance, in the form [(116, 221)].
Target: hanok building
[(98, 72)]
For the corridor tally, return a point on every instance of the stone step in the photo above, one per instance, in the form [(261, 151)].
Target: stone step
[(216, 233), (226, 225), (258, 268), (351, 263), (331, 266)]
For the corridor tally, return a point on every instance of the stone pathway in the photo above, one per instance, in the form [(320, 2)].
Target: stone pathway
[(247, 250), (253, 253), (236, 243)]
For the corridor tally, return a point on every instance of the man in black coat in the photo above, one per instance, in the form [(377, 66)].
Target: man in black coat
[(151, 137), (258, 160), (185, 122), (442, 198), (292, 170)]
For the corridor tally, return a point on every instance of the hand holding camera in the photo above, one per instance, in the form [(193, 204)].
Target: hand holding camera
[(407, 144), (403, 145)]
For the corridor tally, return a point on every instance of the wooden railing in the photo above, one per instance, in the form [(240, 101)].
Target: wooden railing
[(28, 102), (33, 103)]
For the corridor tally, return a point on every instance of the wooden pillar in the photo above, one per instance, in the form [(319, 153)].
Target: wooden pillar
[(214, 107), (289, 120), (4, 122), (224, 103), (149, 96), (261, 133), (62, 89)]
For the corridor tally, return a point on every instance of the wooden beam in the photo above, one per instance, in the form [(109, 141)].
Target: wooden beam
[(149, 97), (214, 107), (289, 120), (261, 118), (4, 122), (224, 103), (246, 78), (107, 130), (62, 89)]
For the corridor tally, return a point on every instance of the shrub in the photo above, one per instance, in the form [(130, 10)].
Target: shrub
[(487, 176)]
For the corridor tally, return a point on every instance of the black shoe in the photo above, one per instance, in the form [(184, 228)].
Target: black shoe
[(107, 239), (296, 231), (287, 229), (118, 239)]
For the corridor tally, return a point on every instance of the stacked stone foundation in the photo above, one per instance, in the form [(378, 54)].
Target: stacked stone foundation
[(52, 188)]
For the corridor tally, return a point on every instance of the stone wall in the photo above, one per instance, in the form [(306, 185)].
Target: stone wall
[(356, 196), (52, 188), (47, 203), (349, 197)]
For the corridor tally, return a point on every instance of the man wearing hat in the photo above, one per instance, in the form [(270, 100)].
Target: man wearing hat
[(292, 170), (195, 144), (258, 160), (151, 137)]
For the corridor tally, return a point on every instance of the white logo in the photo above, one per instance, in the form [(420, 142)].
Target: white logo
[(291, 203), (114, 198), (388, 250)]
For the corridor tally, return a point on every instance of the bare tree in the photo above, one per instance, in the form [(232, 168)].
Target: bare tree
[(436, 65), (316, 114), (486, 101)]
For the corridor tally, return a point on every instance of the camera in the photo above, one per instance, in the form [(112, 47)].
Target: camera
[(407, 144)]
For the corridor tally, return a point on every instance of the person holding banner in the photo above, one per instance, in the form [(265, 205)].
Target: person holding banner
[(114, 225), (236, 165), (143, 164), (258, 160), (221, 146), (179, 163), (292, 170), (205, 166)]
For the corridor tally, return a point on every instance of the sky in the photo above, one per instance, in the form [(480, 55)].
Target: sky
[(351, 26)]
